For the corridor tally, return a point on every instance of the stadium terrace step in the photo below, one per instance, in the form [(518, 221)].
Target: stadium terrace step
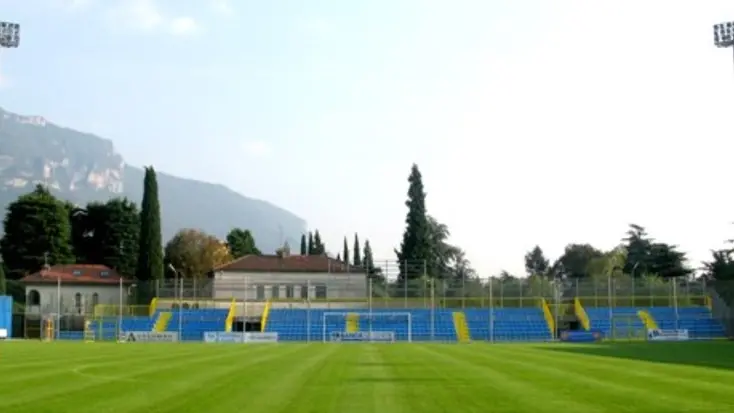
[(352, 322), (461, 327), (161, 324)]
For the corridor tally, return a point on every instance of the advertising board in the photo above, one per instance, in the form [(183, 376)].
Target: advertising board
[(581, 336), (667, 335), (6, 316), (261, 337), (222, 337), (148, 337)]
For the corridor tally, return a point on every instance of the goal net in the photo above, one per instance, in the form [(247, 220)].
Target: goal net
[(627, 327), (383, 327)]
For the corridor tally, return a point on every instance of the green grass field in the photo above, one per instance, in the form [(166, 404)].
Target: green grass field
[(358, 378)]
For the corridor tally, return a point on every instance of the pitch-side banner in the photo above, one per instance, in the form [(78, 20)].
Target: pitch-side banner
[(148, 337), (222, 337), (667, 335)]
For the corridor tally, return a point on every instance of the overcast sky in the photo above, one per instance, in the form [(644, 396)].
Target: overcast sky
[(534, 122)]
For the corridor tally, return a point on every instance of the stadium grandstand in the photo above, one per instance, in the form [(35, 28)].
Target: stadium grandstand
[(316, 298)]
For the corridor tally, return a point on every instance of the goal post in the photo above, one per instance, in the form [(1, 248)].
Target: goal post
[(627, 327), (345, 326)]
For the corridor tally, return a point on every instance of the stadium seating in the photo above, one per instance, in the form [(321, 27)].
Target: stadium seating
[(501, 324), (521, 324), (106, 328), (697, 320), (508, 324), (303, 325), (195, 322)]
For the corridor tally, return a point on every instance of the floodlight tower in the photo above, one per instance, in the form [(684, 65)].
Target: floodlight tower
[(9, 36), (724, 35)]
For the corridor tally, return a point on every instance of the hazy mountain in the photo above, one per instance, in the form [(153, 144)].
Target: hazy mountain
[(82, 167)]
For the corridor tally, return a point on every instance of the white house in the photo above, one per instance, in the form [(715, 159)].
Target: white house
[(72, 289), (288, 278)]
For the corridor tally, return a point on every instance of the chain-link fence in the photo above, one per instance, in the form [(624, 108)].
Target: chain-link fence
[(72, 306)]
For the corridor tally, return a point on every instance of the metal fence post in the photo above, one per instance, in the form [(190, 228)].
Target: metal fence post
[(308, 310), (491, 310)]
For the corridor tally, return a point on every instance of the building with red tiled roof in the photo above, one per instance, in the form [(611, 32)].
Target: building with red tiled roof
[(288, 277), (73, 289)]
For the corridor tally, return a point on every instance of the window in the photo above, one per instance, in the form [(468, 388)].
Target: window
[(104, 273), (288, 291), (275, 292), (78, 303), (260, 292), (34, 297), (304, 292), (77, 272), (95, 300), (321, 291)]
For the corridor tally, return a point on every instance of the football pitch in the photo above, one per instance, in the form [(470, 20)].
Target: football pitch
[(65, 377)]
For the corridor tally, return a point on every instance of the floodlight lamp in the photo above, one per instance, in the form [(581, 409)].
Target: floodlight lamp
[(724, 34), (9, 35)]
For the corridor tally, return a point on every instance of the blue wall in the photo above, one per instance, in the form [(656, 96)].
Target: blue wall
[(6, 313)]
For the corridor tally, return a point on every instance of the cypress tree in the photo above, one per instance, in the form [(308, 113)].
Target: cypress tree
[(318, 247), (150, 251), (415, 249), (310, 246), (345, 255), (356, 252), (304, 247)]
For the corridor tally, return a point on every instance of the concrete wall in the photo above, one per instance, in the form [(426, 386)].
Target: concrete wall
[(266, 286), (49, 303)]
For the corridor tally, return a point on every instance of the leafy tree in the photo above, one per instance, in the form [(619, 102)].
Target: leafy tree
[(241, 243), (647, 256), (416, 245), (37, 230), (304, 247), (576, 260), (444, 255), (638, 245), (194, 253), (720, 272), (345, 251), (666, 261), (318, 246), (150, 250), (356, 252), (374, 273), (107, 233), (310, 247), (536, 263)]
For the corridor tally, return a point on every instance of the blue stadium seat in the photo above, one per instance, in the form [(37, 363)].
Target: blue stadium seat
[(521, 324), (195, 322), (508, 324), (697, 320)]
